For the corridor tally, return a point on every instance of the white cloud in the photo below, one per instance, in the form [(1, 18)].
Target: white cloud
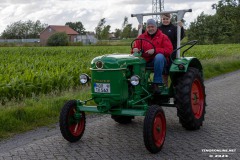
[(89, 12)]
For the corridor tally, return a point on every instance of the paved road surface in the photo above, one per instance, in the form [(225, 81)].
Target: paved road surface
[(105, 139)]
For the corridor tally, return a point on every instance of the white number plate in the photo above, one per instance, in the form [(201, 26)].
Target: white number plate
[(102, 87)]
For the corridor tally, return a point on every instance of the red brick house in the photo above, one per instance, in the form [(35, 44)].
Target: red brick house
[(51, 29)]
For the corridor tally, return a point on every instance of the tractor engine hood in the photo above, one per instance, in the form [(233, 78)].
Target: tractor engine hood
[(115, 61)]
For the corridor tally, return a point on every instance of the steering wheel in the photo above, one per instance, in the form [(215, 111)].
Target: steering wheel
[(142, 39)]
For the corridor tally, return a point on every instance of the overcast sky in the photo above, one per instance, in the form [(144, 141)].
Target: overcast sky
[(89, 12)]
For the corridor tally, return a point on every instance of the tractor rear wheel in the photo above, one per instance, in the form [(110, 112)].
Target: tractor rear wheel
[(154, 129), (190, 99), (72, 124), (122, 119)]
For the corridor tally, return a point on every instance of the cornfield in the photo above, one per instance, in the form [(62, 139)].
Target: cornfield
[(30, 71)]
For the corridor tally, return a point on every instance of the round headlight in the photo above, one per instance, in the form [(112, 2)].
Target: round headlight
[(84, 78), (134, 80), (99, 64)]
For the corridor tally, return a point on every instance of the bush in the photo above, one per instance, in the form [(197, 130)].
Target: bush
[(58, 39)]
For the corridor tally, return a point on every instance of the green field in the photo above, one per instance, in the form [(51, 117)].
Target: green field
[(36, 81), (27, 72), (30, 71)]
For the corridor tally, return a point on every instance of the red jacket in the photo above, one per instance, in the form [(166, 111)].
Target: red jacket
[(161, 42)]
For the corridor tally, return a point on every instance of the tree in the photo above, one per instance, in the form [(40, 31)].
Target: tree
[(117, 33), (99, 28), (36, 28), (196, 30), (125, 22), (229, 11), (126, 33), (134, 33), (58, 39), (223, 27), (105, 32), (21, 29), (77, 26), (102, 30)]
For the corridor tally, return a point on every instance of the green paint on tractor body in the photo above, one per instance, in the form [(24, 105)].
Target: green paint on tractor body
[(122, 86), (112, 91)]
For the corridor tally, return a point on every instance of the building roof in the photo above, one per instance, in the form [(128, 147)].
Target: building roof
[(66, 29)]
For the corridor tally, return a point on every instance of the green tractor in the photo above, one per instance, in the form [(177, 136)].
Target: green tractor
[(121, 86)]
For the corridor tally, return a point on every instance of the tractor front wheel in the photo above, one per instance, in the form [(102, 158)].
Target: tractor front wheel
[(72, 123), (154, 129), (190, 99)]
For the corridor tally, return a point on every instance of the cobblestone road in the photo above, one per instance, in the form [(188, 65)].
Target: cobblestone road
[(105, 139)]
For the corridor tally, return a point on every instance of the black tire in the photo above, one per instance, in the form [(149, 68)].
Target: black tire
[(71, 128), (122, 119), (191, 99), (154, 129)]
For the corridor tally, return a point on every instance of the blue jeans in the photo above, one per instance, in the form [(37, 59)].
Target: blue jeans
[(158, 63)]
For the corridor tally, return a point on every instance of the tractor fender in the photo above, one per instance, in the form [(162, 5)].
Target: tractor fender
[(181, 65)]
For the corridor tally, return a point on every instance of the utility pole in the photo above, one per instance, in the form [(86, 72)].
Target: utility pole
[(157, 6)]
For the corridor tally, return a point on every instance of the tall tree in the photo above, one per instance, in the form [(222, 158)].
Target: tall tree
[(126, 33), (134, 33), (223, 27), (229, 11), (77, 26), (99, 28), (21, 29), (125, 22), (105, 32), (36, 28), (117, 33)]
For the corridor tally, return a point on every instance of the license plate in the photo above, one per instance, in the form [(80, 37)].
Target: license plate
[(102, 87)]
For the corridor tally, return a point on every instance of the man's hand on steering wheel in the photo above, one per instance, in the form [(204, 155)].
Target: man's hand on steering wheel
[(150, 51), (135, 50)]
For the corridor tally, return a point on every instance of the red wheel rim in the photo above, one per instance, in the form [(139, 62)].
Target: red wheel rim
[(159, 129), (197, 98), (76, 128)]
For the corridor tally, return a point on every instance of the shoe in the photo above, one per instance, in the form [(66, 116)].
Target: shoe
[(156, 88), (165, 79)]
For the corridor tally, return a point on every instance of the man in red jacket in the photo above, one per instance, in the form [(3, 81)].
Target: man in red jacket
[(157, 57)]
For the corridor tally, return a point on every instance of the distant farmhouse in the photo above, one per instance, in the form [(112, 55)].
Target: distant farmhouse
[(88, 38), (47, 32)]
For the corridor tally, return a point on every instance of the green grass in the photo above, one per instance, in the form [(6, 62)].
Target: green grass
[(35, 112), (43, 110), (217, 66), (217, 59)]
